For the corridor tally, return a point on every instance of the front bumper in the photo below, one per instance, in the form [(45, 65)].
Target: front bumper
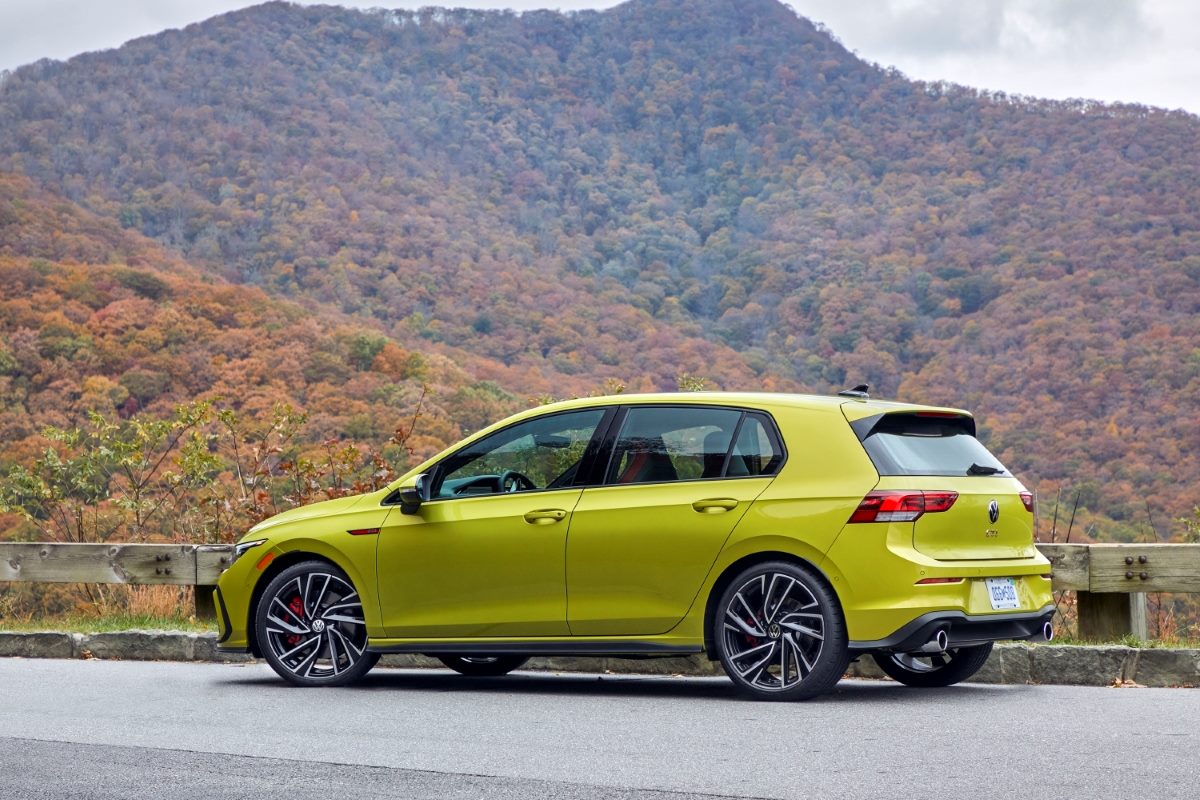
[(232, 598), (224, 628), (963, 630)]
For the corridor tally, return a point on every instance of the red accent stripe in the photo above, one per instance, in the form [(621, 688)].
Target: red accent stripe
[(634, 467), (363, 531)]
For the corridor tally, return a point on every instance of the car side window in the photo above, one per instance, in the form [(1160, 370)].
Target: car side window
[(671, 443), (541, 453), (755, 451)]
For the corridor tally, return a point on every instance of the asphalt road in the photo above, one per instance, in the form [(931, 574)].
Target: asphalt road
[(107, 729)]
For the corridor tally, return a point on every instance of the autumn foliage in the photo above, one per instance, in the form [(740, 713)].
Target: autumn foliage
[(336, 210)]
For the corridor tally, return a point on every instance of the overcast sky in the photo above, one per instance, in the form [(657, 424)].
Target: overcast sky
[(1141, 51)]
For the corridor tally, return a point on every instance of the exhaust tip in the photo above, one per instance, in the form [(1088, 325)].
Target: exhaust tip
[(938, 642), (1048, 632)]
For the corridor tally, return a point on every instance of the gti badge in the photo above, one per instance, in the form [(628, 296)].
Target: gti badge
[(993, 511)]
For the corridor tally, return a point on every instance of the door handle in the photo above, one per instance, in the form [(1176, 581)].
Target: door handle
[(545, 516), (715, 505)]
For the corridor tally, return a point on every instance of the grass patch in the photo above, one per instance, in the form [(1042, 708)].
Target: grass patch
[(1129, 640), (107, 623)]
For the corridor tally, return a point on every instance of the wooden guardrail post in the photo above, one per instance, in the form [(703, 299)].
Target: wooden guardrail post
[(1111, 616), (206, 606), (211, 561)]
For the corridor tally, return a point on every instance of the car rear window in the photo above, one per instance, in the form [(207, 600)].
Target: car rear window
[(919, 444)]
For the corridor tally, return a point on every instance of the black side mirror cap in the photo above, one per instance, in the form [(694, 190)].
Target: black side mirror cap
[(413, 495)]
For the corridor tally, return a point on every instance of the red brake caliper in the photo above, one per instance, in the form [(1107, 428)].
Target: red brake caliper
[(297, 607)]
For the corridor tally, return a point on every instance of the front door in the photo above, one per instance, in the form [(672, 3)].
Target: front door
[(484, 557), (678, 481)]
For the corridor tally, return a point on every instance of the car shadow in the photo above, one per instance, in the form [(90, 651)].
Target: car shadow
[(623, 685)]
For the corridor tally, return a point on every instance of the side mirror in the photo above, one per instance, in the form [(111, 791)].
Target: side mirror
[(415, 491)]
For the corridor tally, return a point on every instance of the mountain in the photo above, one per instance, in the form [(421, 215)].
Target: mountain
[(708, 187), (95, 318)]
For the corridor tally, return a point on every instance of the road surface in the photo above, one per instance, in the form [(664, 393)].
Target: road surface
[(108, 729)]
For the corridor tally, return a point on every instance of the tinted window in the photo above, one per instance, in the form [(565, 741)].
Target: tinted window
[(755, 452), (909, 444), (543, 453), (681, 444)]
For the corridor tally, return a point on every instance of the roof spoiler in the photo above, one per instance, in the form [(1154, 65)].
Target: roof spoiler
[(865, 426)]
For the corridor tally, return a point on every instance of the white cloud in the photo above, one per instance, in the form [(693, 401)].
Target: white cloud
[(1136, 51)]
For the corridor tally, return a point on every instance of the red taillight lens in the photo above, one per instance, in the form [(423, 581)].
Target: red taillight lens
[(932, 581), (939, 501), (894, 506), (1027, 499)]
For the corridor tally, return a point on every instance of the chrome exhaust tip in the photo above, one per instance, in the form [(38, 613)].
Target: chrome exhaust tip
[(938, 644), (1048, 632)]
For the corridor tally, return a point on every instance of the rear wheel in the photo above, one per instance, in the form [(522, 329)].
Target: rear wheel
[(483, 666), (310, 626), (937, 669), (780, 634)]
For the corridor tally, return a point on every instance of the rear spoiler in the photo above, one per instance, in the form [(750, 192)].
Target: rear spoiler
[(865, 426)]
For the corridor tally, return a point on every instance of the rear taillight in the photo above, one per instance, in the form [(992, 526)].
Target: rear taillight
[(896, 506), (1027, 499)]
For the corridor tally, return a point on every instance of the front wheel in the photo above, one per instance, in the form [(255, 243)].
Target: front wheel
[(934, 670), (311, 628), (483, 666), (780, 633)]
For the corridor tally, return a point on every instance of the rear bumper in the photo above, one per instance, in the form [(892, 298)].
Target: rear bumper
[(962, 629)]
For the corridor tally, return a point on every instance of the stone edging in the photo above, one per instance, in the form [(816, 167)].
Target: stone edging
[(1011, 663)]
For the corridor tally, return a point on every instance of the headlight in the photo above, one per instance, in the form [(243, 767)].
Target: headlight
[(240, 548)]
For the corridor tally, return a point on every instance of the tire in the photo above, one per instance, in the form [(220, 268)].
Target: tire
[(483, 666), (931, 671), (780, 633), (310, 626)]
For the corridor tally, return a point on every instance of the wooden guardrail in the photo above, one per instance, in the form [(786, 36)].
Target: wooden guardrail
[(1110, 580), (172, 564)]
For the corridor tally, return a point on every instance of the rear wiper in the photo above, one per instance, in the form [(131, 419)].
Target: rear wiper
[(978, 469)]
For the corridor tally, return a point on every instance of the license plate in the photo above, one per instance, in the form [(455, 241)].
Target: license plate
[(1002, 592)]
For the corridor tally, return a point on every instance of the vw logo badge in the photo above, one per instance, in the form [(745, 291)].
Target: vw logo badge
[(773, 631), (318, 625), (993, 511)]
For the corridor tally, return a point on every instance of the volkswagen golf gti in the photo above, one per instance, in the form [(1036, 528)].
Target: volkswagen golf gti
[(782, 535)]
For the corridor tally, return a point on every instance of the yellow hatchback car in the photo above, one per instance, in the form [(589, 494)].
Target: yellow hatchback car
[(783, 535)]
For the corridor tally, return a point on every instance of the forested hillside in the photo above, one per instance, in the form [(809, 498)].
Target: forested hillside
[(96, 319), (100, 325), (707, 187)]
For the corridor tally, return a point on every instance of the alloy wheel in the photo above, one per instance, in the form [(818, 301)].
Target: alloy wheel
[(314, 627), (922, 662), (773, 631), (483, 666), (928, 670)]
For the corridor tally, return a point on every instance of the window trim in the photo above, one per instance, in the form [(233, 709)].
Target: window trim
[(770, 426)]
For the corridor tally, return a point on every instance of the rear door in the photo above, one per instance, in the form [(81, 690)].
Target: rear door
[(677, 481), (992, 515)]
